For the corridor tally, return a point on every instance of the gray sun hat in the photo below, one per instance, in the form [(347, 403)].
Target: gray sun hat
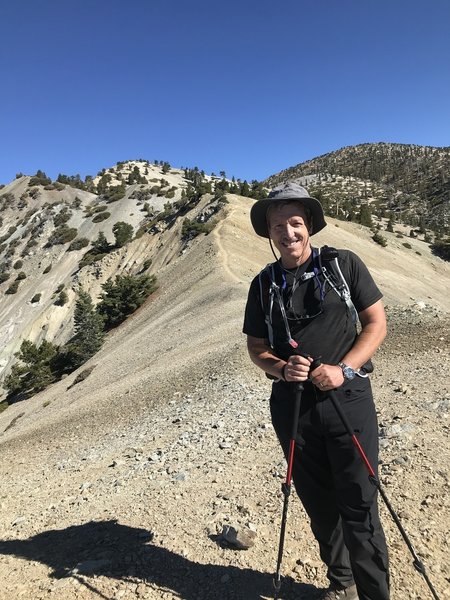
[(286, 191)]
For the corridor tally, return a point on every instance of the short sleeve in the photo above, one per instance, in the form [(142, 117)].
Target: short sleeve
[(254, 318), (363, 289)]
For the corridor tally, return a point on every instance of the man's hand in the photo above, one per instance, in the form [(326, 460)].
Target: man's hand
[(297, 368), (327, 377)]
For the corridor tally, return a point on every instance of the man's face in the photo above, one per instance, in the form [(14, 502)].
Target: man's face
[(288, 229)]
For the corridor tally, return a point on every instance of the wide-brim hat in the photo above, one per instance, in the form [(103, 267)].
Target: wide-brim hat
[(287, 191)]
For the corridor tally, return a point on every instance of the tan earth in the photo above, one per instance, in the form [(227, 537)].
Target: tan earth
[(119, 486)]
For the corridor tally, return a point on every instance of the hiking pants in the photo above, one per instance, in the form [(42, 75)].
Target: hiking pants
[(332, 481)]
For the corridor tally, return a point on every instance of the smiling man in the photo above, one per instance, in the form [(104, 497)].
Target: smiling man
[(298, 309)]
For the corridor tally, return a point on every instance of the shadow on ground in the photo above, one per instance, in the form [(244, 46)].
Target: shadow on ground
[(120, 552)]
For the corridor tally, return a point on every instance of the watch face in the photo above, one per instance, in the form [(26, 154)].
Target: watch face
[(349, 373)]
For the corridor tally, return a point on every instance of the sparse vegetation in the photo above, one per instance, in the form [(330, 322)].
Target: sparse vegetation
[(192, 229), (36, 298), (123, 296), (40, 179), (62, 217), (101, 216), (78, 244), (13, 288), (62, 235), (62, 299), (379, 239)]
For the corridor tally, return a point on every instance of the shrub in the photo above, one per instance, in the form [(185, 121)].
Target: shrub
[(192, 229), (13, 288), (18, 264), (89, 259), (4, 276), (407, 245), (47, 269), (102, 216), (62, 217), (36, 298), (62, 235), (21, 276), (78, 244), (62, 299), (379, 239)]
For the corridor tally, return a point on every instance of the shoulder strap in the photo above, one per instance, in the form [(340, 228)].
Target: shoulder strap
[(332, 273), (269, 290)]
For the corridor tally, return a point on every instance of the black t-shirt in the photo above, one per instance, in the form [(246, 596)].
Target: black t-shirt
[(318, 319)]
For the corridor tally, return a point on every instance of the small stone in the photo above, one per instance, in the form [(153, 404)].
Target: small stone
[(242, 539)]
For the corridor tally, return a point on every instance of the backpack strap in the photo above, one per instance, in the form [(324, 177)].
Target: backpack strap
[(269, 290), (335, 278)]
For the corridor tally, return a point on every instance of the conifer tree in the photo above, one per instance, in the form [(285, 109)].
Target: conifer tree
[(123, 233), (34, 370), (89, 332), (123, 296), (365, 215)]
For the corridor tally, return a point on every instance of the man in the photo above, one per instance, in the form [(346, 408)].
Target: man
[(307, 319)]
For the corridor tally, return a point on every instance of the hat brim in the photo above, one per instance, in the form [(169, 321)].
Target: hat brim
[(258, 214)]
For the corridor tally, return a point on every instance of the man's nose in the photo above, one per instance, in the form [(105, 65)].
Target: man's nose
[(289, 230)]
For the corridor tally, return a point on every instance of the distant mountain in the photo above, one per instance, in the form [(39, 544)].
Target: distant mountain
[(59, 236), (411, 182)]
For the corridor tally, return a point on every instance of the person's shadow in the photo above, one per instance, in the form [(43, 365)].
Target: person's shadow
[(121, 552)]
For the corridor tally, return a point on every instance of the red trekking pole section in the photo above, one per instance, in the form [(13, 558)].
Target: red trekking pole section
[(286, 487)]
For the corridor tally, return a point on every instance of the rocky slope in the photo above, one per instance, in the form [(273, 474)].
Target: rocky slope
[(120, 486)]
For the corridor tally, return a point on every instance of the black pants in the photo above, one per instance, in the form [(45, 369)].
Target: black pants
[(332, 482)]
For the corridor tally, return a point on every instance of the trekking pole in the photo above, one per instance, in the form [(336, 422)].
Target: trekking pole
[(417, 563), (286, 486)]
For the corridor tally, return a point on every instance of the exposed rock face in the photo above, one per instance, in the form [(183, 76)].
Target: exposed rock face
[(119, 485)]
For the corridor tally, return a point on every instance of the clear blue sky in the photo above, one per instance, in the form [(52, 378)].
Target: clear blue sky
[(249, 87)]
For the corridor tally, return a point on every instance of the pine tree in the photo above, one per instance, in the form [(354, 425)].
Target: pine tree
[(34, 370), (123, 296), (89, 333), (123, 233), (365, 215), (100, 245)]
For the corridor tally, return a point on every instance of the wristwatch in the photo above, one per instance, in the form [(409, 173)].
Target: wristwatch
[(347, 371)]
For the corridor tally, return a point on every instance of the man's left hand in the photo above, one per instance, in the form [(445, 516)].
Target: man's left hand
[(327, 377)]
